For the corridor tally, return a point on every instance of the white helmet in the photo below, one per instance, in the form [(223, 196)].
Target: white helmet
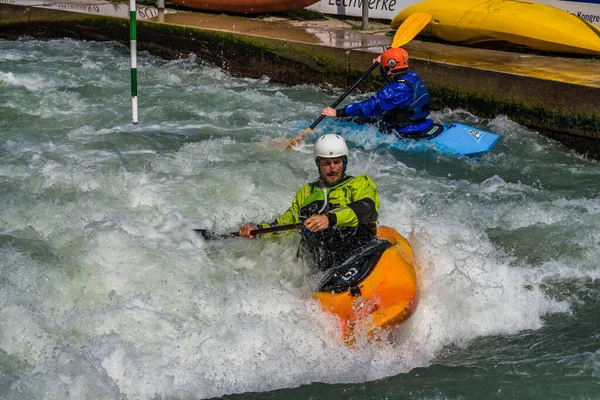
[(330, 146)]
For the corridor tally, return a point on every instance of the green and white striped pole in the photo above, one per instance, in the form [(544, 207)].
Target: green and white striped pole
[(133, 48)]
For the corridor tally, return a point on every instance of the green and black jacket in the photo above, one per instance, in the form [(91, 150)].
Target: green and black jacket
[(352, 208)]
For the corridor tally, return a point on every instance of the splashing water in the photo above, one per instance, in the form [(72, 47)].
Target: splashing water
[(106, 291)]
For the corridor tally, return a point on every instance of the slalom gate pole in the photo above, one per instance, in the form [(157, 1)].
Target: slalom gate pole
[(133, 48)]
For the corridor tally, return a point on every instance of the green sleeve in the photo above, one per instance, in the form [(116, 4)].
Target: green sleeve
[(363, 204), (291, 215)]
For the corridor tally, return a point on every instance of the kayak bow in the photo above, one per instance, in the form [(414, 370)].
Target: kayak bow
[(387, 297)]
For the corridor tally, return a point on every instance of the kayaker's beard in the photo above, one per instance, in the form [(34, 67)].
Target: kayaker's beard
[(329, 178), (326, 183)]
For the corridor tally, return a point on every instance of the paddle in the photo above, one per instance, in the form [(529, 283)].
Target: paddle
[(405, 33), (206, 235)]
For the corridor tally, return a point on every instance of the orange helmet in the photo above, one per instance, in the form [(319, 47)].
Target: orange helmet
[(394, 59)]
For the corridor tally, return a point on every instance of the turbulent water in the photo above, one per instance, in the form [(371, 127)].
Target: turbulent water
[(107, 293)]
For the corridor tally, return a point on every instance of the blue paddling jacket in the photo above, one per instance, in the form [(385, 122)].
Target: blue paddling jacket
[(401, 106)]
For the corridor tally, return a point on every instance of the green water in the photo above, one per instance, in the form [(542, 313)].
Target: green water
[(106, 292)]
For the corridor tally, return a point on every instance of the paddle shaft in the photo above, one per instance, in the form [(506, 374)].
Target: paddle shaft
[(259, 231), (342, 97), (306, 132)]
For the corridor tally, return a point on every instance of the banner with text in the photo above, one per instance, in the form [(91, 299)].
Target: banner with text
[(379, 9), (588, 10)]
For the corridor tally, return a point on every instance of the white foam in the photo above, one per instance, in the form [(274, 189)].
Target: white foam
[(111, 294), (32, 82)]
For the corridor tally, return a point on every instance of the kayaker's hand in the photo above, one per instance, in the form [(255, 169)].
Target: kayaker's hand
[(329, 112), (245, 231), (377, 60), (317, 223)]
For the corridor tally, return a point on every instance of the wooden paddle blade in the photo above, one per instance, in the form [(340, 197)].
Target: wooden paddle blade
[(298, 139), (410, 28)]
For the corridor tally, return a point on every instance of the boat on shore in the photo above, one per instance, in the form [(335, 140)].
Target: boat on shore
[(387, 297), (245, 6), (535, 26)]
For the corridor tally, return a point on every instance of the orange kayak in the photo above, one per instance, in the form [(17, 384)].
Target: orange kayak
[(388, 295)]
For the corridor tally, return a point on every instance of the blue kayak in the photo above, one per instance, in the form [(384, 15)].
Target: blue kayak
[(456, 138), (452, 139)]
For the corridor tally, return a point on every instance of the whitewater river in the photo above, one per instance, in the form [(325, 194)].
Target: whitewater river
[(107, 293)]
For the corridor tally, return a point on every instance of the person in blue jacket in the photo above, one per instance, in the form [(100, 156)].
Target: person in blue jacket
[(401, 107)]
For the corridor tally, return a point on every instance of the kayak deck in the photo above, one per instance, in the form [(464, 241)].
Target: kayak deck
[(388, 295), (455, 139)]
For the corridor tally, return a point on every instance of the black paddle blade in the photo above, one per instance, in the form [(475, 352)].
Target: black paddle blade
[(208, 235)]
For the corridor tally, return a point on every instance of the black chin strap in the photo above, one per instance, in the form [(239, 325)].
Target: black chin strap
[(392, 77)]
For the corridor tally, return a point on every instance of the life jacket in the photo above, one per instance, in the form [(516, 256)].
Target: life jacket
[(419, 108), (417, 111), (345, 255)]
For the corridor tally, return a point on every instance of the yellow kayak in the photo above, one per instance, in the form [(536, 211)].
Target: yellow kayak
[(388, 295), (537, 26)]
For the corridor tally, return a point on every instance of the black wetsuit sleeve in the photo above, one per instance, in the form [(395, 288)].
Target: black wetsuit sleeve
[(365, 210), (340, 112)]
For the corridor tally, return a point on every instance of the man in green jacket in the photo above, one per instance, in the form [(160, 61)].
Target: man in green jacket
[(339, 213)]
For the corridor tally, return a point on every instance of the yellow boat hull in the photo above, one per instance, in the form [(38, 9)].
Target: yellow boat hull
[(388, 295), (537, 26)]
